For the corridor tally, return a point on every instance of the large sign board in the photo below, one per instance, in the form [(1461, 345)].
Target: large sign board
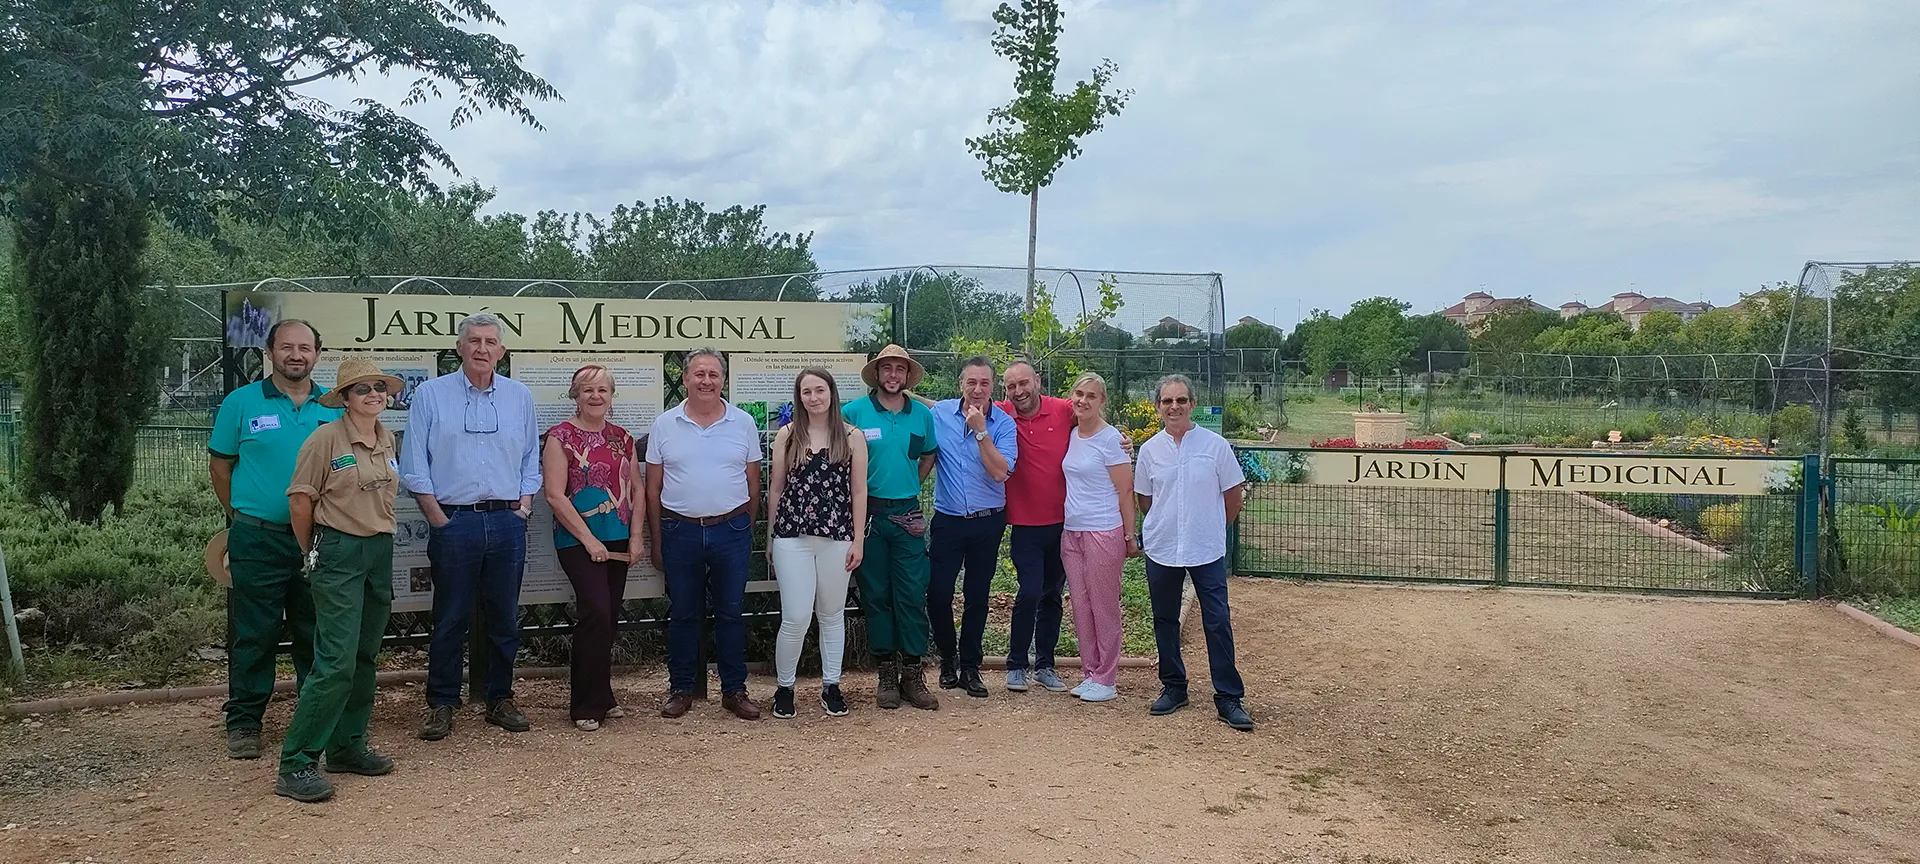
[(543, 581), (638, 386), (1482, 472), (412, 367), (426, 322), (761, 383), (1404, 470)]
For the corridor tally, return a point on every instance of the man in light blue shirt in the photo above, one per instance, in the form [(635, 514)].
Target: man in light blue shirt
[(978, 448), (471, 457)]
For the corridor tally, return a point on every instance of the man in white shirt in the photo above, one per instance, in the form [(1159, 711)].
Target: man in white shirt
[(703, 489), (1189, 484)]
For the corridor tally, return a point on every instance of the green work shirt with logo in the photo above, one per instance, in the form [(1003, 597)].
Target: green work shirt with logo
[(895, 443), (261, 428)]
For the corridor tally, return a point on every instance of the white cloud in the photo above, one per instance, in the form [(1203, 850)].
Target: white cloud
[(1315, 153)]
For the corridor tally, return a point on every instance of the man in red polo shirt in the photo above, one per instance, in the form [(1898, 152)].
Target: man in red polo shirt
[(1037, 511)]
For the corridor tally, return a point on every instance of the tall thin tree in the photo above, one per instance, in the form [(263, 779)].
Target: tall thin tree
[(1030, 137)]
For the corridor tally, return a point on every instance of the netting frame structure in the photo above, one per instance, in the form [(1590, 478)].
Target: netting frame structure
[(1809, 345)]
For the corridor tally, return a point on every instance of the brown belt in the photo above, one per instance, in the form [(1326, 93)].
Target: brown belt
[(703, 521)]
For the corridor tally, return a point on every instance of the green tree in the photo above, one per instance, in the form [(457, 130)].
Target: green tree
[(1377, 331), (1507, 333), (1591, 334), (1032, 135), (1257, 345), (1439, 343), (114, 112), (672, 239)]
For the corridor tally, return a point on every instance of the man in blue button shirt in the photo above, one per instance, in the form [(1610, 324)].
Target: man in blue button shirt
[(978, 448), (471, 457), (255, 440)]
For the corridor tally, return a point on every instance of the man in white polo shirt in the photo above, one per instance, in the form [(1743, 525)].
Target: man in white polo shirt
[(1189, 484), (702, 498)]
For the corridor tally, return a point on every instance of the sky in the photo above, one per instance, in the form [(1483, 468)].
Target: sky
[(1311, 153)]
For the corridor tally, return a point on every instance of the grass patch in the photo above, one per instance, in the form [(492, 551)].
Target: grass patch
[(1901, 612)]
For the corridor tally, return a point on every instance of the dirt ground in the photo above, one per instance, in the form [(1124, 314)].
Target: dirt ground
[(1396, 725)]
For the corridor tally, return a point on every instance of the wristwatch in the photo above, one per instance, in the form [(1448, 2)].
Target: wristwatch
[(979, 436)]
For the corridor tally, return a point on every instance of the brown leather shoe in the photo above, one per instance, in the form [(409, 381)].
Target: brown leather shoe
[(677, 705), (741, 705)]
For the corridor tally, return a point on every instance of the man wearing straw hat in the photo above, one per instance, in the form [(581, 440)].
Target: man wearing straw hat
[(341, 498), (256, 435), (901, 447)]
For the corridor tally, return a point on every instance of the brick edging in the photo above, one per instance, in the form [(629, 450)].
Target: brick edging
[(1884, 628)]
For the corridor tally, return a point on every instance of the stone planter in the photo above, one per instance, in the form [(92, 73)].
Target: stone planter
[(1379, 429)]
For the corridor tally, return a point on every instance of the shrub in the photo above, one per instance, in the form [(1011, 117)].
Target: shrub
[(1795, 426), (1723, 523)]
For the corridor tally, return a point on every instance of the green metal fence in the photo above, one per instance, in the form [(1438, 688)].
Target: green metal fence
[(163, 455), (1303, 526), (1871, 541)]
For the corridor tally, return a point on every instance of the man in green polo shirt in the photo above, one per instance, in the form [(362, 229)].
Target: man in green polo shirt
[(893, 570), (256, 437)]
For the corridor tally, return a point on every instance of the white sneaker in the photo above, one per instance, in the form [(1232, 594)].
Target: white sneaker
[(1082, 686), (1099, 693)]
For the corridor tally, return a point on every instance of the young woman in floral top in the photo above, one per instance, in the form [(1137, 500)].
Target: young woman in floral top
[(818, 510), (591, 471)]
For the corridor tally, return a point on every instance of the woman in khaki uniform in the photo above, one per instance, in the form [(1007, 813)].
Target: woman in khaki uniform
[(342, 502)]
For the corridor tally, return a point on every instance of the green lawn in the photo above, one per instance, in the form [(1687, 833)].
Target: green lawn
[(1902, 612)]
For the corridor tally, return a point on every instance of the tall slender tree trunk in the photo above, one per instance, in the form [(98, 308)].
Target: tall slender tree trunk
[(1033, 236)]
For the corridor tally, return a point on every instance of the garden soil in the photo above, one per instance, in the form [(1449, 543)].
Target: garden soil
[(1396, 725)]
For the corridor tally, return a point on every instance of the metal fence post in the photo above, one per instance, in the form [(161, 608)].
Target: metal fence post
[(16, 660), (1501, 524), (1806, 527)]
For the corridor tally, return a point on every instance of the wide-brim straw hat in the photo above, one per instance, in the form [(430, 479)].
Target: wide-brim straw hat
[(354, 370), (216, 556), (871, 372)]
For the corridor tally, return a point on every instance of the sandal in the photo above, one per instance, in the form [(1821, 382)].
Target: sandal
[(587, 725)]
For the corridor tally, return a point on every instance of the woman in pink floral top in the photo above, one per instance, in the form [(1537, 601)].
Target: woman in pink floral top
[(591, 471)]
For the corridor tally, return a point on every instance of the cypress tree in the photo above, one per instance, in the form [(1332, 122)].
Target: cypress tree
[(91, 342)]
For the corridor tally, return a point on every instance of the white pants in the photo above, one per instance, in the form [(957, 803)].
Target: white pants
[(812, 572)]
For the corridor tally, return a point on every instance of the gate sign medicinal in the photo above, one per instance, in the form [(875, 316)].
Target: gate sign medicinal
[(547, 338)]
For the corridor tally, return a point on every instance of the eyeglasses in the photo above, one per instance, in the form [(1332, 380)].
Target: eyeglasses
[(1177, 400), (363, 388), (482, 415)]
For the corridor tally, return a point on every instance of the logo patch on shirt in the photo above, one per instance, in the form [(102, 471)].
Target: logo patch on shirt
[(394, 465), (263, 423), (341, 463), (872, 434)]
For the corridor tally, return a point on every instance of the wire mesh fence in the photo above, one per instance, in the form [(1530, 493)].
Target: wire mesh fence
[(1291, 526), (1872, 537)]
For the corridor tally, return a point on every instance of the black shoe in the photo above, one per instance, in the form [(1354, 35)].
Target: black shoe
[(1233, 715), (506, 715), (970, 679), (439, 723), (366, 763), (305, 785), (783, 703), (949, 674), (832, 702), (243, 743), (1171, 699)]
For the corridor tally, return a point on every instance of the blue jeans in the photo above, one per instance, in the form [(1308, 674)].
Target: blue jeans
[(483, 555), (1210, 588), (706, 564), (953, 542), (1036, 607)]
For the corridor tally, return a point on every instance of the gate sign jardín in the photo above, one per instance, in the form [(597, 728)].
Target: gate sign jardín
[(411, 322)]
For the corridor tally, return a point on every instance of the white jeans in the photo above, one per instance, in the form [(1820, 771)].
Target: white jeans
[(812, 572)]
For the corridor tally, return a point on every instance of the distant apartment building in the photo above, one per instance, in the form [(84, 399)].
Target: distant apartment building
[(1631, 306)]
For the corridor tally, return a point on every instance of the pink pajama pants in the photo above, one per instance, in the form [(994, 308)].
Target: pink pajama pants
[(1093, 560)]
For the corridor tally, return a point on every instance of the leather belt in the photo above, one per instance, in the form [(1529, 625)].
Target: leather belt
[(257, 522), (482, 507), (703, 521), (977, 514)]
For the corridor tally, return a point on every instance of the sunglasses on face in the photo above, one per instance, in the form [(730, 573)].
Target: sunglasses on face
[(363, 388), (1177, 400)]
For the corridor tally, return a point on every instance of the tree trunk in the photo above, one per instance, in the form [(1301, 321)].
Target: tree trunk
[(1033, 235), (92, 342)]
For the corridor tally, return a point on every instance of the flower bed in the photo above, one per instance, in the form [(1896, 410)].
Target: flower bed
[(1352, 444), (1720, 444)]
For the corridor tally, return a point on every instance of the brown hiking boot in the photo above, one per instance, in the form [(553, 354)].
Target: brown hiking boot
[(887, 695), (913, 684), (677, 705), (741, 705)]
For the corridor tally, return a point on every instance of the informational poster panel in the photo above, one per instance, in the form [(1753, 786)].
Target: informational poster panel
[(761, 383), (413, 367), (544, 581), (638, 391)]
